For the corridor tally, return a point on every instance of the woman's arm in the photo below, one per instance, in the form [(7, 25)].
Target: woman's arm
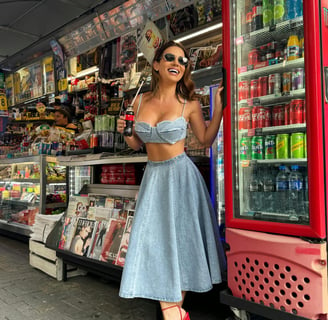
[(133, 142), (206, 135)]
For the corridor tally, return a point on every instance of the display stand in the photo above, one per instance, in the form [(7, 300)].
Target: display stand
[(103, 269), (269, 313)]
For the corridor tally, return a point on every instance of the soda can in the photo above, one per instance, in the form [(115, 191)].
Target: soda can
[(287, 114), (282, 146), (286, 82), (253, 57), (297, 145), (261, 117), (93, 141), (263, 86), (267, 117), (254, 88), (255, 113), (277, 115), (245, 148), (274, 83), (305, 146), (245, 118), (257, 147), (270, 147), (298, 79), (243, 90), (296, 111)]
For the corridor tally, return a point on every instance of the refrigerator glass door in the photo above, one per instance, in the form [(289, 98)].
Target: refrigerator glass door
[(78, 177), (269, 131)]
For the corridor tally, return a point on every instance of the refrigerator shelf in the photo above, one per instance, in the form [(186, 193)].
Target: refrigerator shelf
[(300, 161), (289, 128), (275, 32), (272, 99), (277, 216), (285, 66)]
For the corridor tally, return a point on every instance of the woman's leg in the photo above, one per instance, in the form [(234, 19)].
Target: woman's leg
[(173, 310)]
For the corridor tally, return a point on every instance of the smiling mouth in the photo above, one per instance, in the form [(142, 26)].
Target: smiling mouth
[(174, 71)]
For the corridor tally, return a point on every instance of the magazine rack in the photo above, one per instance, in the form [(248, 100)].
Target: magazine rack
[(101, 268)]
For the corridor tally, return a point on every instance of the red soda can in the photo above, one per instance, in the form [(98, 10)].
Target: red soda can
[(93, 141), (267, 117), (278, 116), (263, 86), (287, 113), (255, 113), (245, 118), (261, 114), (243, 90), (253, 57), (304, 111), (254, 88), (296, 111)]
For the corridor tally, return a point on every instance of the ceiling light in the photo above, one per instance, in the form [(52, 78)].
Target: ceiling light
[(200, 32)]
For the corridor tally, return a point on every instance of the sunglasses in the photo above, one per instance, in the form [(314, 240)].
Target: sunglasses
[(169, 57)]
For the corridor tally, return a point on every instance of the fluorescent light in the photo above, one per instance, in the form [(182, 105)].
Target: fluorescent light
[(200, 32), (84, 73)]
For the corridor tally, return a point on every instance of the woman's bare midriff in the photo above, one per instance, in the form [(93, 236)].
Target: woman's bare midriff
[(164, 151)]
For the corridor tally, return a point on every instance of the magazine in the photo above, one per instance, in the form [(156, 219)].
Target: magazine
[(98, 240), (78, 206), (97, 208), (112, 240), (120, 259), (67, 233), (81, 242)]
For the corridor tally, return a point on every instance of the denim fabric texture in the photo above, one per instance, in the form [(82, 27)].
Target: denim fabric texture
[(174, 243), (167, 131)]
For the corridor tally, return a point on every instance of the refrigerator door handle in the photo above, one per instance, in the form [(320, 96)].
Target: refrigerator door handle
[(326, 83)]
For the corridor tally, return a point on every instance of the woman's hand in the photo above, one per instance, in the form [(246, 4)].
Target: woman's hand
[(218, 97), (120, 125)]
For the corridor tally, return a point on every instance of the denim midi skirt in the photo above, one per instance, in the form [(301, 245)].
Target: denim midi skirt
[(174, 242)]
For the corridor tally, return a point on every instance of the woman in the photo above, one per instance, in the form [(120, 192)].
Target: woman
[(174, 245)]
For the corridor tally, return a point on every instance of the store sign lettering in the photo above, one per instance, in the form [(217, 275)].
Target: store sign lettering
[(325, 16)]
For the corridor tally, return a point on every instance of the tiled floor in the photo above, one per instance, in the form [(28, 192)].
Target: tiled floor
[(29, 294)]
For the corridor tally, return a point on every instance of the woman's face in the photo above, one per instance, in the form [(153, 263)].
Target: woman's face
[(172, 64), (60, 119)]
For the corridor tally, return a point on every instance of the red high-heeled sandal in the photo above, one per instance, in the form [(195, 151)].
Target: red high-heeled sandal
[(186, 317)]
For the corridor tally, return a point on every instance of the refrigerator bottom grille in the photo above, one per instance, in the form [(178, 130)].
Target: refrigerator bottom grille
[(281, 272)]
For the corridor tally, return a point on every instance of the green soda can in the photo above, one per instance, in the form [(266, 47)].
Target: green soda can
[(297, 145), (270, 147), (257, 147), (305, 146), (245, 150), (282, 146)]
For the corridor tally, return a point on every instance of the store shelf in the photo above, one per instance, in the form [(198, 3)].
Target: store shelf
[(285, 66), (19, 202), (96, 159), (56, 205), (273, 99), (298, 127), (15, 228), (276, 32)]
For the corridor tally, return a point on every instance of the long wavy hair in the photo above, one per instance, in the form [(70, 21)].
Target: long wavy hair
[(185, 87)]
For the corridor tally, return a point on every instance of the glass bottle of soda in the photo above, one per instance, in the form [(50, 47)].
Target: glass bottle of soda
[(129, 119)]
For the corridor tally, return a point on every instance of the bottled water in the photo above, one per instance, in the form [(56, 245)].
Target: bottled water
[(255, 189), (282, 188), (306, 195), (269, 186), (296, 191), (294, 9)]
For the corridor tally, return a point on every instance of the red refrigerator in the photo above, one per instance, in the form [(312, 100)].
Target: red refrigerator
[(276, 65)]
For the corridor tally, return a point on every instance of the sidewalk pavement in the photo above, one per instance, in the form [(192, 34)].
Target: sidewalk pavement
[(29, 294)]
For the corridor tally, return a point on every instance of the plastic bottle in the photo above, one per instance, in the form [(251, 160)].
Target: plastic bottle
[(278, 11), (293, 47), (294, 9), (129, 119), (296, 192), (306, 195), (257, 12), (255, 189), (269, 186), (282, 188), (267, 12)]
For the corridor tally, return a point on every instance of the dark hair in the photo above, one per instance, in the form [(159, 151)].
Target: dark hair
[(185, 87), (65, 113)]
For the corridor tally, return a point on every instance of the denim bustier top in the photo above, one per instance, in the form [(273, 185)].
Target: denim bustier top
[(166, 131)]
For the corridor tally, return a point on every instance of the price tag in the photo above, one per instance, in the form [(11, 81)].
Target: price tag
[(250, 67), (239, 40)]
